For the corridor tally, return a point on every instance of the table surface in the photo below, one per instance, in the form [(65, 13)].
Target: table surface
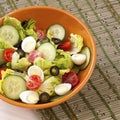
[(100, 98)]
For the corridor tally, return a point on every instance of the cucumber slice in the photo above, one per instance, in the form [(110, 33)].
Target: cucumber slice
[(85, 50), (10, 34), (13, 85), (56, 31), (48, 51)]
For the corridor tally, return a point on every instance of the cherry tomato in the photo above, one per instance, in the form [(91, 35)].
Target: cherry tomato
[(33, 55), (34, 82), (8, 54), (41, 33), (1, 69), (71, 77), (66, 45)]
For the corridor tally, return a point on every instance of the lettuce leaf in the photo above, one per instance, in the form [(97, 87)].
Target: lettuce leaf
[(49, 85), (42, 63), (63, 60), (19, 63), (22, 64), (77, 43), (30, 29), (1, 91)]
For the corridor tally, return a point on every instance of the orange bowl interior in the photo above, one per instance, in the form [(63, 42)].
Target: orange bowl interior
[(45, 16)]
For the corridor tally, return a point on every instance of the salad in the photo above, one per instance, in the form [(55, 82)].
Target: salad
[(39, 66)]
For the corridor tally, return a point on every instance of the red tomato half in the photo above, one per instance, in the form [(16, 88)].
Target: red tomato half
[(41, 33), (66, 46), (8, 54), (1, 69), (34, 82), (33, 55), (71, 77)]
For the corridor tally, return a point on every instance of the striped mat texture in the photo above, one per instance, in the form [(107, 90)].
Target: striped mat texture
[(100, 98)]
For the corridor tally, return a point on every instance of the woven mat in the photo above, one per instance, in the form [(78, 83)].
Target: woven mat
[(100, 98)]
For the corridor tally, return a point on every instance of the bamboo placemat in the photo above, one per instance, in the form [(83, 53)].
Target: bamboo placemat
[(100, 98)]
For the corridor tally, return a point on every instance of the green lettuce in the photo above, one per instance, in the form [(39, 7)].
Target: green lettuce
[(18, 63), (31, 32), (42, 63), (22, 64), (30, 29), (49, 85), (77, 43), (1, 91), (63, 60), (6, 73), (31, 24)]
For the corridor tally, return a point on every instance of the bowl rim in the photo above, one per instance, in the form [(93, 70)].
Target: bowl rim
[(78, 88)]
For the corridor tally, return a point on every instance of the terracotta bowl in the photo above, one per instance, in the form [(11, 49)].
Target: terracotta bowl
[(46, 16)]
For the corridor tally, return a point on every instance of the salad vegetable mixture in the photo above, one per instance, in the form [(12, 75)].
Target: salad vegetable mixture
[(39, 66)]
